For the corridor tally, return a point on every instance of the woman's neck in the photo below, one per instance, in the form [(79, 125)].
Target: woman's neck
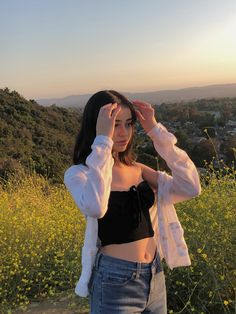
[(117, 162)]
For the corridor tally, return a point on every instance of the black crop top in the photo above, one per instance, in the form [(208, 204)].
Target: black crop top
[(127, 218)]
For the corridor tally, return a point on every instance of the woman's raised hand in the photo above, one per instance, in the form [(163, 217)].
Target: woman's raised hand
[(106, 119), (145, 114)]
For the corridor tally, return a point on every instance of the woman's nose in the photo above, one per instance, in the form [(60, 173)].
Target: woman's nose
[(122, 130)]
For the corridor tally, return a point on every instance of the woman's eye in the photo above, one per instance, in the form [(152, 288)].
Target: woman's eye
[(128, 124)]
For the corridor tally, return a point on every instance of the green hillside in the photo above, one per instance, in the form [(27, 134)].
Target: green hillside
[(35, 137), (40, 139)]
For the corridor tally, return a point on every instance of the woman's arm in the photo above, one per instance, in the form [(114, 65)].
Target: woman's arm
[(149, 174), (184, 182), (90, 188)]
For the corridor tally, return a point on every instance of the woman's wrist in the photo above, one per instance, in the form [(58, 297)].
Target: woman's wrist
[(104, 140), (151, 126)]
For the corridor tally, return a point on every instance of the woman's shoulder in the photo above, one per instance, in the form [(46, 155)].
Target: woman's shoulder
[(149, 174), (144, 168)]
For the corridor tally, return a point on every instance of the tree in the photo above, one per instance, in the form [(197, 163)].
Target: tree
[(229, 148), (203, 151), (182, 139)]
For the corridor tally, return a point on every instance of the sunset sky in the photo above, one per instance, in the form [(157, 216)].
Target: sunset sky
[(55, 48)]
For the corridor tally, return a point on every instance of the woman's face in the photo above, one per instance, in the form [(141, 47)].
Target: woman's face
[(123, 130)]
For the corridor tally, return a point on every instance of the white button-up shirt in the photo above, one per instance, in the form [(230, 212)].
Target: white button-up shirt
[(90, 187)]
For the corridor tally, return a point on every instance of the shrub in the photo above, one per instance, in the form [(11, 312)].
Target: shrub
[(41, 235)]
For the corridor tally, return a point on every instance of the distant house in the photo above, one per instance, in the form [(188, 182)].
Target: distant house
[(215, 113), (198, 139), (177, 124), (231, 132), (188, 123), (231, 123), (231, 127), (172, 130)]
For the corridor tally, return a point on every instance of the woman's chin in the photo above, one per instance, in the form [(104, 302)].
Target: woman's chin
[(117, 150)]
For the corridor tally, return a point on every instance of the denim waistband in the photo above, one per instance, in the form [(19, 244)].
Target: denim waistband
[(107, 261)]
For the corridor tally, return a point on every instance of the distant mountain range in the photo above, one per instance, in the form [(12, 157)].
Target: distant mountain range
[(158, 97)]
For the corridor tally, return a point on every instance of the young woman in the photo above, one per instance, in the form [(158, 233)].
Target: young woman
[(131, 220)]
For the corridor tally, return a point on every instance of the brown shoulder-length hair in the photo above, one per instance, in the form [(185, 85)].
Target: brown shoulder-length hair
[(87, 132)]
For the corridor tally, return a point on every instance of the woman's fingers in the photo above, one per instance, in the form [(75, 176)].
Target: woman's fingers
[(145, 113), (108, 109), (106, 119), (115, 112), (139, 103), (140, 116)]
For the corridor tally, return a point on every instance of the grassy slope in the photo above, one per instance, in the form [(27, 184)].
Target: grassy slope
[(41, 233)]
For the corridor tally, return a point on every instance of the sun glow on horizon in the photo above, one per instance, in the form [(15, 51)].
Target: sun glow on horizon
[(89, 46)]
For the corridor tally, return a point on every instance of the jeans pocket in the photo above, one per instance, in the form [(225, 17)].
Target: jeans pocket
[(117, 278)]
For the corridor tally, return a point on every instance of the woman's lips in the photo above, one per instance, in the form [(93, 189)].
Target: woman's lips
[(122, 143)]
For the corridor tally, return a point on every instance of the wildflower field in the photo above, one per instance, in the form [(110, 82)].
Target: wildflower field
[(41, 235)]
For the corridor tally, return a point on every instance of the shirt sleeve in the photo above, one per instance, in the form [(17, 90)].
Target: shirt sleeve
[(184, 182), (90, 188)]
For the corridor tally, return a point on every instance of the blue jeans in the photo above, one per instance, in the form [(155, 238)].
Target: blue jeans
[(118, 286)]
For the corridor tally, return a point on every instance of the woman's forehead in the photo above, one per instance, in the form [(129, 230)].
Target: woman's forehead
[(124, 114)]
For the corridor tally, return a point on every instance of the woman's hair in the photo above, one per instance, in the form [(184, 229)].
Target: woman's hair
[(87, 132)]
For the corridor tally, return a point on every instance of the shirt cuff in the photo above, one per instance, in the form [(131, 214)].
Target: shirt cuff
[(156, 130), (103, 140), (160, 134)]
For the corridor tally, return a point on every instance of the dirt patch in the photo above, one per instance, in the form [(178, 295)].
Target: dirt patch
[(69, 304)]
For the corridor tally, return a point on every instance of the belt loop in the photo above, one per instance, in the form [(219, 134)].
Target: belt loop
[(138, 270), (159, 266), (98, 256), (155, 263), (155, 259)]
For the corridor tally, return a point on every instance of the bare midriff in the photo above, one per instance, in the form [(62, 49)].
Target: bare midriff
[(142, 251)]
